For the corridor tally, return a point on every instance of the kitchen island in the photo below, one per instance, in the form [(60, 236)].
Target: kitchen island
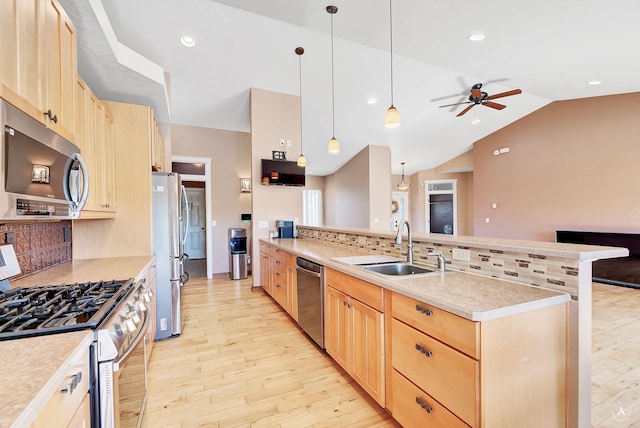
[(523, 264), (34, 368)]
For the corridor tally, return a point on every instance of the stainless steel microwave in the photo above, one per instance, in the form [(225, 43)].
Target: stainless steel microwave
[(42, 175)]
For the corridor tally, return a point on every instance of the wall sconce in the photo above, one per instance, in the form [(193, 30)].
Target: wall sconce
[(40, 174), (245, 185)]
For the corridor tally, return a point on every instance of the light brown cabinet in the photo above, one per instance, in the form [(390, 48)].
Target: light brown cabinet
[(95, 136), (157, 147), (68, 406), (448, 371), (39, 71), (354, 330), (278, 277)]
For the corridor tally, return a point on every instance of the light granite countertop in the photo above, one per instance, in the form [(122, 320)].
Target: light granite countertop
[(475, 297), (30, 367)]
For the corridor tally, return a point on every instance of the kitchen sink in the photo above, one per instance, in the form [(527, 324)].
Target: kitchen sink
[(398, 269)]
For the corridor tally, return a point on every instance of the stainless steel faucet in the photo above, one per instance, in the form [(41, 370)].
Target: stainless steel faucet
[(409, 239), (440, 257)]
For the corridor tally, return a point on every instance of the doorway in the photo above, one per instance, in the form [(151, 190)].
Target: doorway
[(399, 208), (441, 209), (202, 179), (195, 244)]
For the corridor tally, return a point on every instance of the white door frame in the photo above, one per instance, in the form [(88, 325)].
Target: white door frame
[(427, 210), (207, 182), (404, 195)]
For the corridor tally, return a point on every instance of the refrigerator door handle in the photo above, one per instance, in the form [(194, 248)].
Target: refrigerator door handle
[(185, 216)]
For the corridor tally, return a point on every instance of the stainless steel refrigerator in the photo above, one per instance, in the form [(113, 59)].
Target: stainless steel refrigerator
[(170, 226)]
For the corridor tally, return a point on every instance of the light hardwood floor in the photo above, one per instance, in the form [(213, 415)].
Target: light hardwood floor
[(241, 362)]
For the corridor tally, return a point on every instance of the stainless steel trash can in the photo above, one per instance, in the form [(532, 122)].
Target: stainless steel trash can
[(237, 253)]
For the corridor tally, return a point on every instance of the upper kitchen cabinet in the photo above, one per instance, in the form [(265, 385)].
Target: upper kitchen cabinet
[(95, 136), (38, 72)]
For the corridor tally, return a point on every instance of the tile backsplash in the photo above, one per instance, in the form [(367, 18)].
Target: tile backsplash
[(38, 245), (531, 269)]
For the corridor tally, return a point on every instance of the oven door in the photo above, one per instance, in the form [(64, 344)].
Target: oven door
[(123, 384)]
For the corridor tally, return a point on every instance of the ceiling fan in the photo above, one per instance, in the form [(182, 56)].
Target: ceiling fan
[(479, 97)]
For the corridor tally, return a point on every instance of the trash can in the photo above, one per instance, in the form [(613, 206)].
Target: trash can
[(237, 253)]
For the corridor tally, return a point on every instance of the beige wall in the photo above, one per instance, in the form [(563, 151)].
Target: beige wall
[(230, 154), (571, 165), (464, 201), (273, 116), (359, 193)]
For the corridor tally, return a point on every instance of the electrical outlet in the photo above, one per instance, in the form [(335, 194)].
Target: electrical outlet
[(163, 324), (263, 224), (504, 150), (486, 220), (288, 143), (342, 237)]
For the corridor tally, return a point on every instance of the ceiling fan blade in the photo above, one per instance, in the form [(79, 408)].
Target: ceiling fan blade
[(455, 104), (504, 94), (494, 105), (465, 110)]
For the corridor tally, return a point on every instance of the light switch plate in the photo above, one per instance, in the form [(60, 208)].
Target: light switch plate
[(263, 224)]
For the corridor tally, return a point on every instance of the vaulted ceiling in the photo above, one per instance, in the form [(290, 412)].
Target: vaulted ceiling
[(129, 50)]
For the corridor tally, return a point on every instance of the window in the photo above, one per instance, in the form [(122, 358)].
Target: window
[(312, 207)]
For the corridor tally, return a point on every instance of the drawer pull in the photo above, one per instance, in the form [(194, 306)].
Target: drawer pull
[(75, 380), (424, 405), (424, 310), (423, 350)]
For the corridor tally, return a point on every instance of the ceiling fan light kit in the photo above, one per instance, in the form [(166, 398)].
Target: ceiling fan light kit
[(479, 97), (334, 144), (302, 161), (392, 116)]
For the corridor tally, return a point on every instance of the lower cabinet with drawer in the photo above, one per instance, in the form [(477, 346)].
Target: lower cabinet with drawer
[(448, 371), (69, 406), (354, 330)]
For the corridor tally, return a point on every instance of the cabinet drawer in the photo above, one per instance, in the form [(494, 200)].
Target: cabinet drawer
[(279, 261), (446, 374), (363, 291), (62, 406), (455, 331), (291, 259), (412, 407), (279, 291)]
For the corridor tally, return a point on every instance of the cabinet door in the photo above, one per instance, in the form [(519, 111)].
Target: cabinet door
[(60, 69), (292, 291), (265, 272), (337, 326), (109, 162), (21, 56), (367, 356)]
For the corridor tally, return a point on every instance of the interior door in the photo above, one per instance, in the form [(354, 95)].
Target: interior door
[(195, 245)]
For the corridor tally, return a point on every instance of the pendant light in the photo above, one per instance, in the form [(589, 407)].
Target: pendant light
[(334, 144), (302, 161), (392, 116), (402, 185)]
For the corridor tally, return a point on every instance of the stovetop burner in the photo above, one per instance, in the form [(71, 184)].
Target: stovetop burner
[(33, 311)]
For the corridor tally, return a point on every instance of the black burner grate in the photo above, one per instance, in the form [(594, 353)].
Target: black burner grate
[(33, 311)]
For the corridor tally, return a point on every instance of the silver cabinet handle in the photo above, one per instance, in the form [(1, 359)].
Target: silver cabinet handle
[(75, 380)]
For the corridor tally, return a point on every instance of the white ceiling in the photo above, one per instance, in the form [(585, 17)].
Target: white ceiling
[(548, 48)]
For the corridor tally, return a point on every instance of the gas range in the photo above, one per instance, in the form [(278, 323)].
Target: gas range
[(49, 309)]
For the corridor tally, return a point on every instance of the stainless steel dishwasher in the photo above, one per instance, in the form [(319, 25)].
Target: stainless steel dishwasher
[(311, 299)]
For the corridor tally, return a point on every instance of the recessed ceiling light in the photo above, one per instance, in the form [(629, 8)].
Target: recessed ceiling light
[(372, 100), (187, 41), (476, 37), (594, 82)]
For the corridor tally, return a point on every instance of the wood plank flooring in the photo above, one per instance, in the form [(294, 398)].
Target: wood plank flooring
[(241, 362)]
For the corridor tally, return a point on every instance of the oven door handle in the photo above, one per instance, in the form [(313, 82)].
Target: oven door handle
[(141, 334)]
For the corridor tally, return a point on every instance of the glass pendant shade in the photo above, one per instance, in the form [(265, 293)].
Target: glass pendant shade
[(302, 161), (392, 118), (402, 185), (334, 145)]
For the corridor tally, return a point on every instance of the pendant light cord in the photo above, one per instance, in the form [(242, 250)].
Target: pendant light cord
[(300, 67), (333, 101), (391, 49)]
